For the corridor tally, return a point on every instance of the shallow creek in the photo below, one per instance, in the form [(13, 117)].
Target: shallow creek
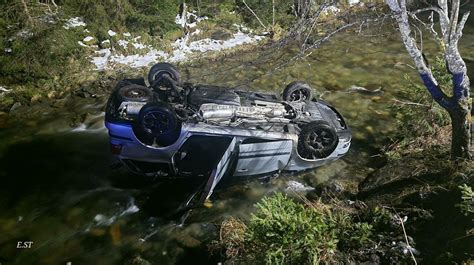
[(61, 190)]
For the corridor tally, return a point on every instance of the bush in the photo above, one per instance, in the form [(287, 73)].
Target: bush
[(467, 196), (283, 231)]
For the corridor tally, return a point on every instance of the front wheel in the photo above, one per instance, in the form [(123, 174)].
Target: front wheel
[(297, 91), (317, 140)]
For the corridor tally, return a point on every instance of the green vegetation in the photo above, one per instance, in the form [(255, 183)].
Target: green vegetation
[(285, 231), (467, 197), (421, 121)]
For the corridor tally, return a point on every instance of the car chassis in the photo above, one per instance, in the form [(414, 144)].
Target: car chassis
[(171, 129)]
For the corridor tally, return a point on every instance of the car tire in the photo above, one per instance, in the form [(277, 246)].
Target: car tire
[(157, 123), (134, 93), (159, 69), (317, 140), (297, 91)]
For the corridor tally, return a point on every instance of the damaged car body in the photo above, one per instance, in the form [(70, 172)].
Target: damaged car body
[(173, 129)]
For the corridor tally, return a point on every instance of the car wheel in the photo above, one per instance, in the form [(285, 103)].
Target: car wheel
[(297, 91), (135, 93), (158, 70), (317, 140), (157, 123)]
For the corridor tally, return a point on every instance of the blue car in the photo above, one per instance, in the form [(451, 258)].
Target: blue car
[(173, 129)]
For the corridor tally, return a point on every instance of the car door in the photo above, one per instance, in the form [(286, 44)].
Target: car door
[(257, 157), (219, 171)]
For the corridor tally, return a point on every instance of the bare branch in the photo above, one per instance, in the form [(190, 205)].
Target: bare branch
[(255, 15), (454, 19), (461, 25)]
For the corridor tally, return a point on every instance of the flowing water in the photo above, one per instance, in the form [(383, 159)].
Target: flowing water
[(62, 190)]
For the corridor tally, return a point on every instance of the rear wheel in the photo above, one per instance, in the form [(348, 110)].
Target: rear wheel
[(159, 70), (297, 91), (317, 140), (157, 123), (135, 93)]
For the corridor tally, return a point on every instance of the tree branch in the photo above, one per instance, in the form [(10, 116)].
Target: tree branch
[(255, 15)]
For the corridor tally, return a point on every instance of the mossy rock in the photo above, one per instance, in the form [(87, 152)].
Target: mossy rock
[(221, 34)]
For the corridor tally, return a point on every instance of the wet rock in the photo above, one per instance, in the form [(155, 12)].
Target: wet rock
[(15, 107), (221, 34), (295, 186), (115, 234), (52, 95), (61, 103), (137, 260), (36, 99), (97, 232), (365, 91), (3, 119)]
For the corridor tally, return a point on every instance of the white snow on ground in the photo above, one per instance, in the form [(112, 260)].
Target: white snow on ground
[(137, 60), (353, 2), (74, 23), (296, 186), (81, 44), (88, 38), (182, 50), (8, 50), (330, 9), (3, 89), (101, 60), (24, 34), (122, 43)]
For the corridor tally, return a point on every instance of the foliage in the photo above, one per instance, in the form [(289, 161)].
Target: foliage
[(284, 14), (467, 196), (427, 116), (283, 231), (418, 116)]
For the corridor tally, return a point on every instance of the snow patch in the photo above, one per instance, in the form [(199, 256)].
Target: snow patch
[(111, 33), (8, 50), (353, 2), (122, 43), (127, 34), (331, 10), (4, 89), (81, 44), (181, 51), (74, 23), (101, 60), (24, 34), (88, 38), (296, 186)]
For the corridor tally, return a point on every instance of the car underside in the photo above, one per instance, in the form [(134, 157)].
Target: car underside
[(174, 129)]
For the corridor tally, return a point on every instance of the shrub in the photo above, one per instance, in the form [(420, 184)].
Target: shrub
[(283, 231), (467, 196)]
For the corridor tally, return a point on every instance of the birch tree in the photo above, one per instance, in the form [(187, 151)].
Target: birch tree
[(457, 104)]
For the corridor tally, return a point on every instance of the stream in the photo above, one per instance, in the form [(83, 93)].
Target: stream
[(62, 190)]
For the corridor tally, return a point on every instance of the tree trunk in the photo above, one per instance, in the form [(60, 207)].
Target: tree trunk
[(461, 135)]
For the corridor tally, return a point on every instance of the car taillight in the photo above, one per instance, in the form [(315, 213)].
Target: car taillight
[(116, 149)]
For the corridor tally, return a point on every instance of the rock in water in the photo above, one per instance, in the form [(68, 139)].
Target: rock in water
[(115, 234), (365, 91), (296, 186)]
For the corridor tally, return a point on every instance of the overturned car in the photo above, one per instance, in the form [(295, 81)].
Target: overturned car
[(173, 129)]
